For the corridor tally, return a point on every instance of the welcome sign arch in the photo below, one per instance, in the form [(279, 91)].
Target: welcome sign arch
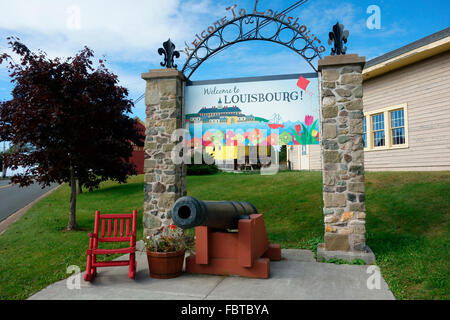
[(285, 34), (270, 26), (341, 127)]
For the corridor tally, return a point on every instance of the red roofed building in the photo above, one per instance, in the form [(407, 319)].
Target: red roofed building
[(138, 152)]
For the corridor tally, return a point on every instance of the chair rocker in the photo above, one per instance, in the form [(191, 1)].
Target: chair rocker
[(114, 228)]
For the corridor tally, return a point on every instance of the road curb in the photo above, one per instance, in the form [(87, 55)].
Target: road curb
[(16, 215)]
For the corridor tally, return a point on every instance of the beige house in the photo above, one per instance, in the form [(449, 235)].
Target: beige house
[(406, 108)]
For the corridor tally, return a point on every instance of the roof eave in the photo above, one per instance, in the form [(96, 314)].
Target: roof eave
[(407, 58)]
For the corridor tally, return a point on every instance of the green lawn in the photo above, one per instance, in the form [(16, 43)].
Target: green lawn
[(407, 224), (35, 252)]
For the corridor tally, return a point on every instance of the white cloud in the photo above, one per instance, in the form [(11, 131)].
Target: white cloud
[(125, 30)]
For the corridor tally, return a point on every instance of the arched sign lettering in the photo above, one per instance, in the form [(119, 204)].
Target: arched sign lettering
[(280, 32)]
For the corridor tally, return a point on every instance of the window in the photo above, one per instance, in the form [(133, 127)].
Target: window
[(378, 130), (364, 136), (398, 127), (386, 128)]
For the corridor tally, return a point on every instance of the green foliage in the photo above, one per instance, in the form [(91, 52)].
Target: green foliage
[(202, 169), (283, 154), (341, 261)]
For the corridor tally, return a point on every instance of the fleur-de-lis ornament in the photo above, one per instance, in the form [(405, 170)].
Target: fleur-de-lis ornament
[(169, 53), (339, 37)]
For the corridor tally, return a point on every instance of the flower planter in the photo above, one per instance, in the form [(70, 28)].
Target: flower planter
[(165, 265)]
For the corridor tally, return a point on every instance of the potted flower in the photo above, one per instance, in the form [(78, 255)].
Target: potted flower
[(165, 252)]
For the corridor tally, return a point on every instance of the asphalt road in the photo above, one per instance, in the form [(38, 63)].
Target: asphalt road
[(4, 182), (13, 198)]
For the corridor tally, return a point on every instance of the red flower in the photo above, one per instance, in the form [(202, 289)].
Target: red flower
[(172, 226), (295, 140), (309, 120), (298, 128)]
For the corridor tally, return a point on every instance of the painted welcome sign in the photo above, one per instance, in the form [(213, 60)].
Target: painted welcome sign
[(258, 111)]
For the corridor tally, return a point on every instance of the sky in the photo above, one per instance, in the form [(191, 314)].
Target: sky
[(129, 33)]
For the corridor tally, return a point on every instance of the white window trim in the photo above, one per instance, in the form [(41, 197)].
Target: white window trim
[(387, 128)]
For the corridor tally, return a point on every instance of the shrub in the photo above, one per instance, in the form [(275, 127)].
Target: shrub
[(203, 168)]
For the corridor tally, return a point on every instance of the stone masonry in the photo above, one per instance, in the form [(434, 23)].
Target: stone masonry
[(164, 180), (343, 158)]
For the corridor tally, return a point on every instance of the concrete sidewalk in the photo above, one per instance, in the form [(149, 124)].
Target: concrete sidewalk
[(296, 276)]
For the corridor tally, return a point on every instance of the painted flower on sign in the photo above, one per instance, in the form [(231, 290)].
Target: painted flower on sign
[(196, 143), (272, 139), (308, 133), (207, 136), (285, 138), (229, 138), (309, 120), (294, 139), (187, 143), (217, 138), (256, 137), (207, 139), (239, 138)]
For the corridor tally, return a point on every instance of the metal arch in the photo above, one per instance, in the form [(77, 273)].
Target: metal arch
[(194, 61)]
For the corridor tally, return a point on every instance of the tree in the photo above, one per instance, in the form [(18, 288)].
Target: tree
[(2, 165), (3, 155), (79, 187), (74, 116)]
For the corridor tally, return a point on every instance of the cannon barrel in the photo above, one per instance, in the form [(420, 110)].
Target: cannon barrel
[(189, 212)]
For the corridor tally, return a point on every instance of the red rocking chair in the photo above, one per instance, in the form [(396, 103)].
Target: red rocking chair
[(114, 228)]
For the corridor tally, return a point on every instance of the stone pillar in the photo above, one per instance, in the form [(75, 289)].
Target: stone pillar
[(164, 180), (343, 159)]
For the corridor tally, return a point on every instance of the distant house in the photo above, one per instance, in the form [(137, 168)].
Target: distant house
[(138, 152)]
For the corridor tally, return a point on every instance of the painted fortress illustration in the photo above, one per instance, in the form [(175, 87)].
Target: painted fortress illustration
[(222, 115)]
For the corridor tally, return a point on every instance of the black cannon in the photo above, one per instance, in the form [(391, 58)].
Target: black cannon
[(189, 212)]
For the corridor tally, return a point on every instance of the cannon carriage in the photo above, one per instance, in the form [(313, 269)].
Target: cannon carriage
[(219, 248)]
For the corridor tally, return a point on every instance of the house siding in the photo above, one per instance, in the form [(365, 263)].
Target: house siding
[(425, 88), (315, 162), (313, 151), (293, 156)]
